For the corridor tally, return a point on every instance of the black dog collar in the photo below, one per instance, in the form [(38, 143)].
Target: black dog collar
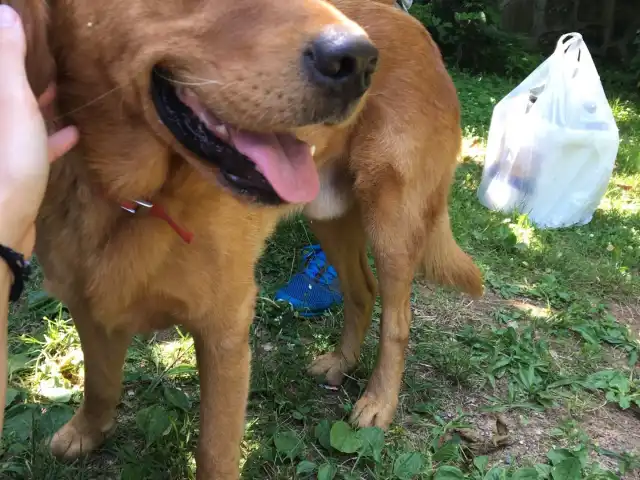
[(20, 269)]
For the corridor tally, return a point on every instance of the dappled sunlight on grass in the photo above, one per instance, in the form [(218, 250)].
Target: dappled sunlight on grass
[(173, 353)]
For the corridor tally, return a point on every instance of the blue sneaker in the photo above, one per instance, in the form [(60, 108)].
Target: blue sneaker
[(315, 289)]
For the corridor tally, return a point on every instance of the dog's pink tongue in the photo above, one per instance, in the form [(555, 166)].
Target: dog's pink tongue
[(285, 161)]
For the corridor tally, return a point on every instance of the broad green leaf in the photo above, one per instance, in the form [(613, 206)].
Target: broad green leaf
[(305, 466), (17, 363), (372, 439), (54, 418), (327, 471), (481, 463), (587, 334), (569, 469), (407, 465), (287, 444), (447, 452), (19, 425), (177, 398), (10, 396), (500, 363), (558, 455), (496, 473), (582, 454), (611, 396), (624, 402), (525, 474), (449, 473), (621, 383), (344, 438), (544, 471), (601, 379), (322, 433), (154, 422)]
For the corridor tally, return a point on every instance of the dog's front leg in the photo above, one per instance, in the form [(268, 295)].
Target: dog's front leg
[(222, 350)]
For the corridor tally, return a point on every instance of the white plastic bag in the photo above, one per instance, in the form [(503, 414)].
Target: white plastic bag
[(552, 142)]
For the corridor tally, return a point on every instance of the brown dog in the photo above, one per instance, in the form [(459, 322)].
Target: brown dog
[(167, 95)]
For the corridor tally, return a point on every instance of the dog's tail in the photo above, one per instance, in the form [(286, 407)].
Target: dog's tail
[(445, 263)]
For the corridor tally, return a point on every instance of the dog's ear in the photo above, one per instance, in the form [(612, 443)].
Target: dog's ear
[(40, 65)]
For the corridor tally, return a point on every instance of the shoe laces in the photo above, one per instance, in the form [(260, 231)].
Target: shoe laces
[(316, 266)]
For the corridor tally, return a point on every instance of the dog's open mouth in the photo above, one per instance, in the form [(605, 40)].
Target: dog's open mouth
[(269, 168)]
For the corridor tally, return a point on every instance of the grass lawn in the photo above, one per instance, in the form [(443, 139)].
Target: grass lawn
[(538, 380)]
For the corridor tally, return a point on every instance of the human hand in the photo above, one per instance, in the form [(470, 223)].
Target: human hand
[(26, 150)]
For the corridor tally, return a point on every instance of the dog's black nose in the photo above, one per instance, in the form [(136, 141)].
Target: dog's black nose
[(342, 61)]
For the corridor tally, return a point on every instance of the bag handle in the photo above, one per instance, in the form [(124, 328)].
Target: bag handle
[(569, 53), (572, 38)]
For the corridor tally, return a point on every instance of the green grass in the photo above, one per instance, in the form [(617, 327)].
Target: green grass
[(537, 380)]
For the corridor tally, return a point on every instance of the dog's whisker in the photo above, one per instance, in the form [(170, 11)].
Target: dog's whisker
[(81, 107), (200, 81)]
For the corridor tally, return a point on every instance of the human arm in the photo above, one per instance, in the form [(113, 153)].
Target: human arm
[(26, 151)]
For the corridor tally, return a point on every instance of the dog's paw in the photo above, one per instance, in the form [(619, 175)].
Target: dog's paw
[(78, 437), (332, 366), (374, 410)]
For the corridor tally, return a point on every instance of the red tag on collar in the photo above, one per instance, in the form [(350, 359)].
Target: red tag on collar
[(158, 212)]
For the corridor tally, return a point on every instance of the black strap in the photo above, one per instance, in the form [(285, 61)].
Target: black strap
[(20, 269)]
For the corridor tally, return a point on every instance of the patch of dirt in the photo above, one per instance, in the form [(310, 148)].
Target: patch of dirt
[(613, 429), (530, 433), (628, 314)]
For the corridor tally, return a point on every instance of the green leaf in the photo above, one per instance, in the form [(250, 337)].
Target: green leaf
[(496, 473), (544, 471), (322, 433), (611, 396), (154, 422), (54, 418), (408, 465), (17, 363), (327, 471), (287, 444), (527, 376), (19, 426), (11, 395), (558, 455), (624, 402), (344, 438), (525, 474), (568, 469), (481, 463), (305, 466), (177, 398), (633, 358), (372, 439), (181, 370), (423, 408), (601, 379), (587, 334), (621, 383), (500, 363), (446, 453), (449, 473)]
